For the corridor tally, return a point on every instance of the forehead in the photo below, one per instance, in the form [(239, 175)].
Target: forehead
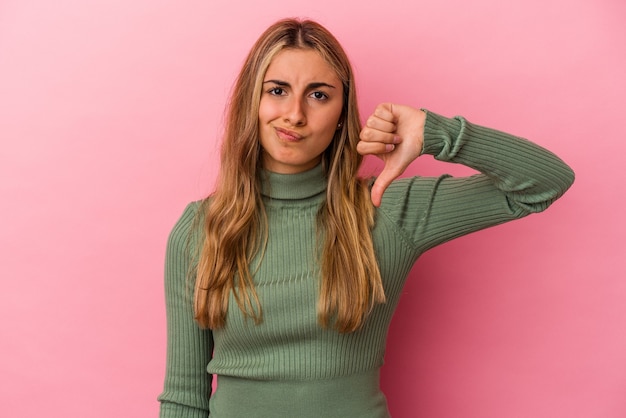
[(301, 66)]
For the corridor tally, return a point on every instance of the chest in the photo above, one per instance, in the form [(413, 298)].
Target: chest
[(291, 251)]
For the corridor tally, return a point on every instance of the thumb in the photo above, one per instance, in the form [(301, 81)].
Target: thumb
[(382, 182)]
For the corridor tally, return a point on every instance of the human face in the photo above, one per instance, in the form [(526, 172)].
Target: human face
[(299, 110)]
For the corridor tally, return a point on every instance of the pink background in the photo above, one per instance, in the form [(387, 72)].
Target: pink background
[(110, 112)]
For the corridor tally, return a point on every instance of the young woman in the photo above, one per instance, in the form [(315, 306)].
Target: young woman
[(283, 282)]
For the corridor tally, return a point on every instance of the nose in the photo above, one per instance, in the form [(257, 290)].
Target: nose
[(295, 114)]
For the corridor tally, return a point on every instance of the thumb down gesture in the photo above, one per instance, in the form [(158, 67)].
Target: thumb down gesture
[(395, 134)]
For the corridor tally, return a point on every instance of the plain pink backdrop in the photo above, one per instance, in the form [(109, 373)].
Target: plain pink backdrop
[(110, 114)]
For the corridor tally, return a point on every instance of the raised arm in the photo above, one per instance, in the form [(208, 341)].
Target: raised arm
[(517, 176)]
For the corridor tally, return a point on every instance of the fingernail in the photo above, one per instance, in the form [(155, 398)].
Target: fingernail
[(389, 147), (397, 139)]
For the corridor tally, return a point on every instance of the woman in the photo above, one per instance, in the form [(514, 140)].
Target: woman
[(296, 264)]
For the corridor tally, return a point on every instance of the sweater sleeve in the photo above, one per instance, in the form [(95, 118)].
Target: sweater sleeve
[(517, 177), (187, 386)]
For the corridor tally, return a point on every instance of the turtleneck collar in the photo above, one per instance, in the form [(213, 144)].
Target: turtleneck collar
[(293, 186)]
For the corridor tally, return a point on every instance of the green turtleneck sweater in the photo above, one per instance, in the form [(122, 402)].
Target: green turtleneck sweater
[(289, 366)]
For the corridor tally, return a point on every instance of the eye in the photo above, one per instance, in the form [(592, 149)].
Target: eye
[(319, 95), (276, 91)]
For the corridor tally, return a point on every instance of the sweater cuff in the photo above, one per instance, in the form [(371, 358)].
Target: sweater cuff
[(440, 134)]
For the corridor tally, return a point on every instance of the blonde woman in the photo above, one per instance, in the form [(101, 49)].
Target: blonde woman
[(283, 282)]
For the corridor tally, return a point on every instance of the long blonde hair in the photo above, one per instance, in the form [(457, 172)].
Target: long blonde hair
[(234, 217)]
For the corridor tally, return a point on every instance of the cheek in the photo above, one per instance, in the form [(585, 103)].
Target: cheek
[(267, 111), (326, 134), (330, 121)]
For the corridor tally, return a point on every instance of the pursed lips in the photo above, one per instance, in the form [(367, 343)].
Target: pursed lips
[(287, 135)]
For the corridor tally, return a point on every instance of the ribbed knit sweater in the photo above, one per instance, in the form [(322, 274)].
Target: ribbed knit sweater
[(289, 366)]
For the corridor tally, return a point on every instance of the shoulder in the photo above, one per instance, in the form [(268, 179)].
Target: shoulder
[(409, 200), (186, 227), (190, 213)]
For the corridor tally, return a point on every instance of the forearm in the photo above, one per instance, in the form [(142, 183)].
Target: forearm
[(516, 178), (530, 176)]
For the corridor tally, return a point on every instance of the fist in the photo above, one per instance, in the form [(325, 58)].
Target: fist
[(395, 134)]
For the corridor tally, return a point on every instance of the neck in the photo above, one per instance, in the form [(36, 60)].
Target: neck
[(293, 186)]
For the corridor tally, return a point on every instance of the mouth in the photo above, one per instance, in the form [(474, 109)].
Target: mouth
[(287, 135)]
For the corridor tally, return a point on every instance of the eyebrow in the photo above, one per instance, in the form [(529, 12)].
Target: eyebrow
[(309, 86)]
